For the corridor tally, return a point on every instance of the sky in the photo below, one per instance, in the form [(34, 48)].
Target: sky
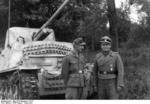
[(134, 15)]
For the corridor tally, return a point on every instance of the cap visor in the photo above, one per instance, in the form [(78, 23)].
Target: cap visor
[(82, 43), (104, 42)]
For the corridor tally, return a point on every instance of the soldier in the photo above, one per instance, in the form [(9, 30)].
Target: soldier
[(108, 71), (73, 71)]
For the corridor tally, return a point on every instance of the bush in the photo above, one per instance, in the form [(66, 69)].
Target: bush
[(136, 63)]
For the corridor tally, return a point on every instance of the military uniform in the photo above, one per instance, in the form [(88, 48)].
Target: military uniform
[(108, 74), (72, 72)]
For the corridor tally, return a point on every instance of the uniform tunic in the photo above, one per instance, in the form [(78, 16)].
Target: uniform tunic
[(108, 74), (72, 72)]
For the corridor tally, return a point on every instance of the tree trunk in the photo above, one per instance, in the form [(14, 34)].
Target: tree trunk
[(92, 42), (112, 16)]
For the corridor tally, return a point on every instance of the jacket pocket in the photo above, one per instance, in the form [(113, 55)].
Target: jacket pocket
[(73, 65), (76, 81)]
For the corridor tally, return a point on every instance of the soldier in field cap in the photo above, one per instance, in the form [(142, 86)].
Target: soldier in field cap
[(108, 71), (73, 71)]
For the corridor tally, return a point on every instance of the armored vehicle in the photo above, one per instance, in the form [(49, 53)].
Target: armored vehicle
[(30, 69), (30, 64)]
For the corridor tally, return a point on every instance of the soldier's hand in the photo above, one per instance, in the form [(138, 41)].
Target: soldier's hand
[(119, 88), (95, 89)]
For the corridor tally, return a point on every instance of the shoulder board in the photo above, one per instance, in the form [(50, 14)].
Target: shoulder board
[(98, 55), (67, 55), (70, 54), (114, 53)]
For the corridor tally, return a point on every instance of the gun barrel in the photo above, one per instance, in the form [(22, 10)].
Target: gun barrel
[(39, 33)]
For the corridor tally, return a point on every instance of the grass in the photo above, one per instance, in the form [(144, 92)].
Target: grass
[(136, 62)]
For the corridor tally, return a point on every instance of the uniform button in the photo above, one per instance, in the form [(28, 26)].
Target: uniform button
[(105, 72)]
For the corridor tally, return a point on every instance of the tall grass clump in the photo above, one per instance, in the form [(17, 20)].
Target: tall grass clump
[(136, 63)]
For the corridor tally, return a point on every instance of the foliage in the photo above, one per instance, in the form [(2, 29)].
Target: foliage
[(136, 62), (3, 19), (94, 26), (86, 18)]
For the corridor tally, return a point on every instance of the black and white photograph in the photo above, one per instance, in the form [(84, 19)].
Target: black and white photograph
[(74, 50)]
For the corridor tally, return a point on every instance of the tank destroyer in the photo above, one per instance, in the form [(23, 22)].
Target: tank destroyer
[(30, 63)]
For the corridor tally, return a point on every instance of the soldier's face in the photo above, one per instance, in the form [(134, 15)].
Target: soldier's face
[(80, 48), (105, 46)]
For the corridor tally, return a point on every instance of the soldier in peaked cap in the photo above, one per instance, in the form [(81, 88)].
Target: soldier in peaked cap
[(73, 71), (108, 71)]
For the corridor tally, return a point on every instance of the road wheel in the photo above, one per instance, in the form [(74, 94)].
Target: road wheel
[(29, 87), (9, 94), (15, 92), (1, 93), (5, 93)]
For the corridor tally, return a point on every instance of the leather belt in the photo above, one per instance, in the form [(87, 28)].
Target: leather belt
[(77, 72), (107, 72), (76, 75)]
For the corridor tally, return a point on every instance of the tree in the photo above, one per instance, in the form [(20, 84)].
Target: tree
[(93, 26), (86, 18), (136, 31), (3, 20), (112, 16), (34, 13)]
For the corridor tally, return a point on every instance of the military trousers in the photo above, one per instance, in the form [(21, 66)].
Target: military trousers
[(74, 93), (107, 89)]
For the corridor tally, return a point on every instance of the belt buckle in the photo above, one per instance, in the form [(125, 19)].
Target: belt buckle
[(104, 72), (80, 71)]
